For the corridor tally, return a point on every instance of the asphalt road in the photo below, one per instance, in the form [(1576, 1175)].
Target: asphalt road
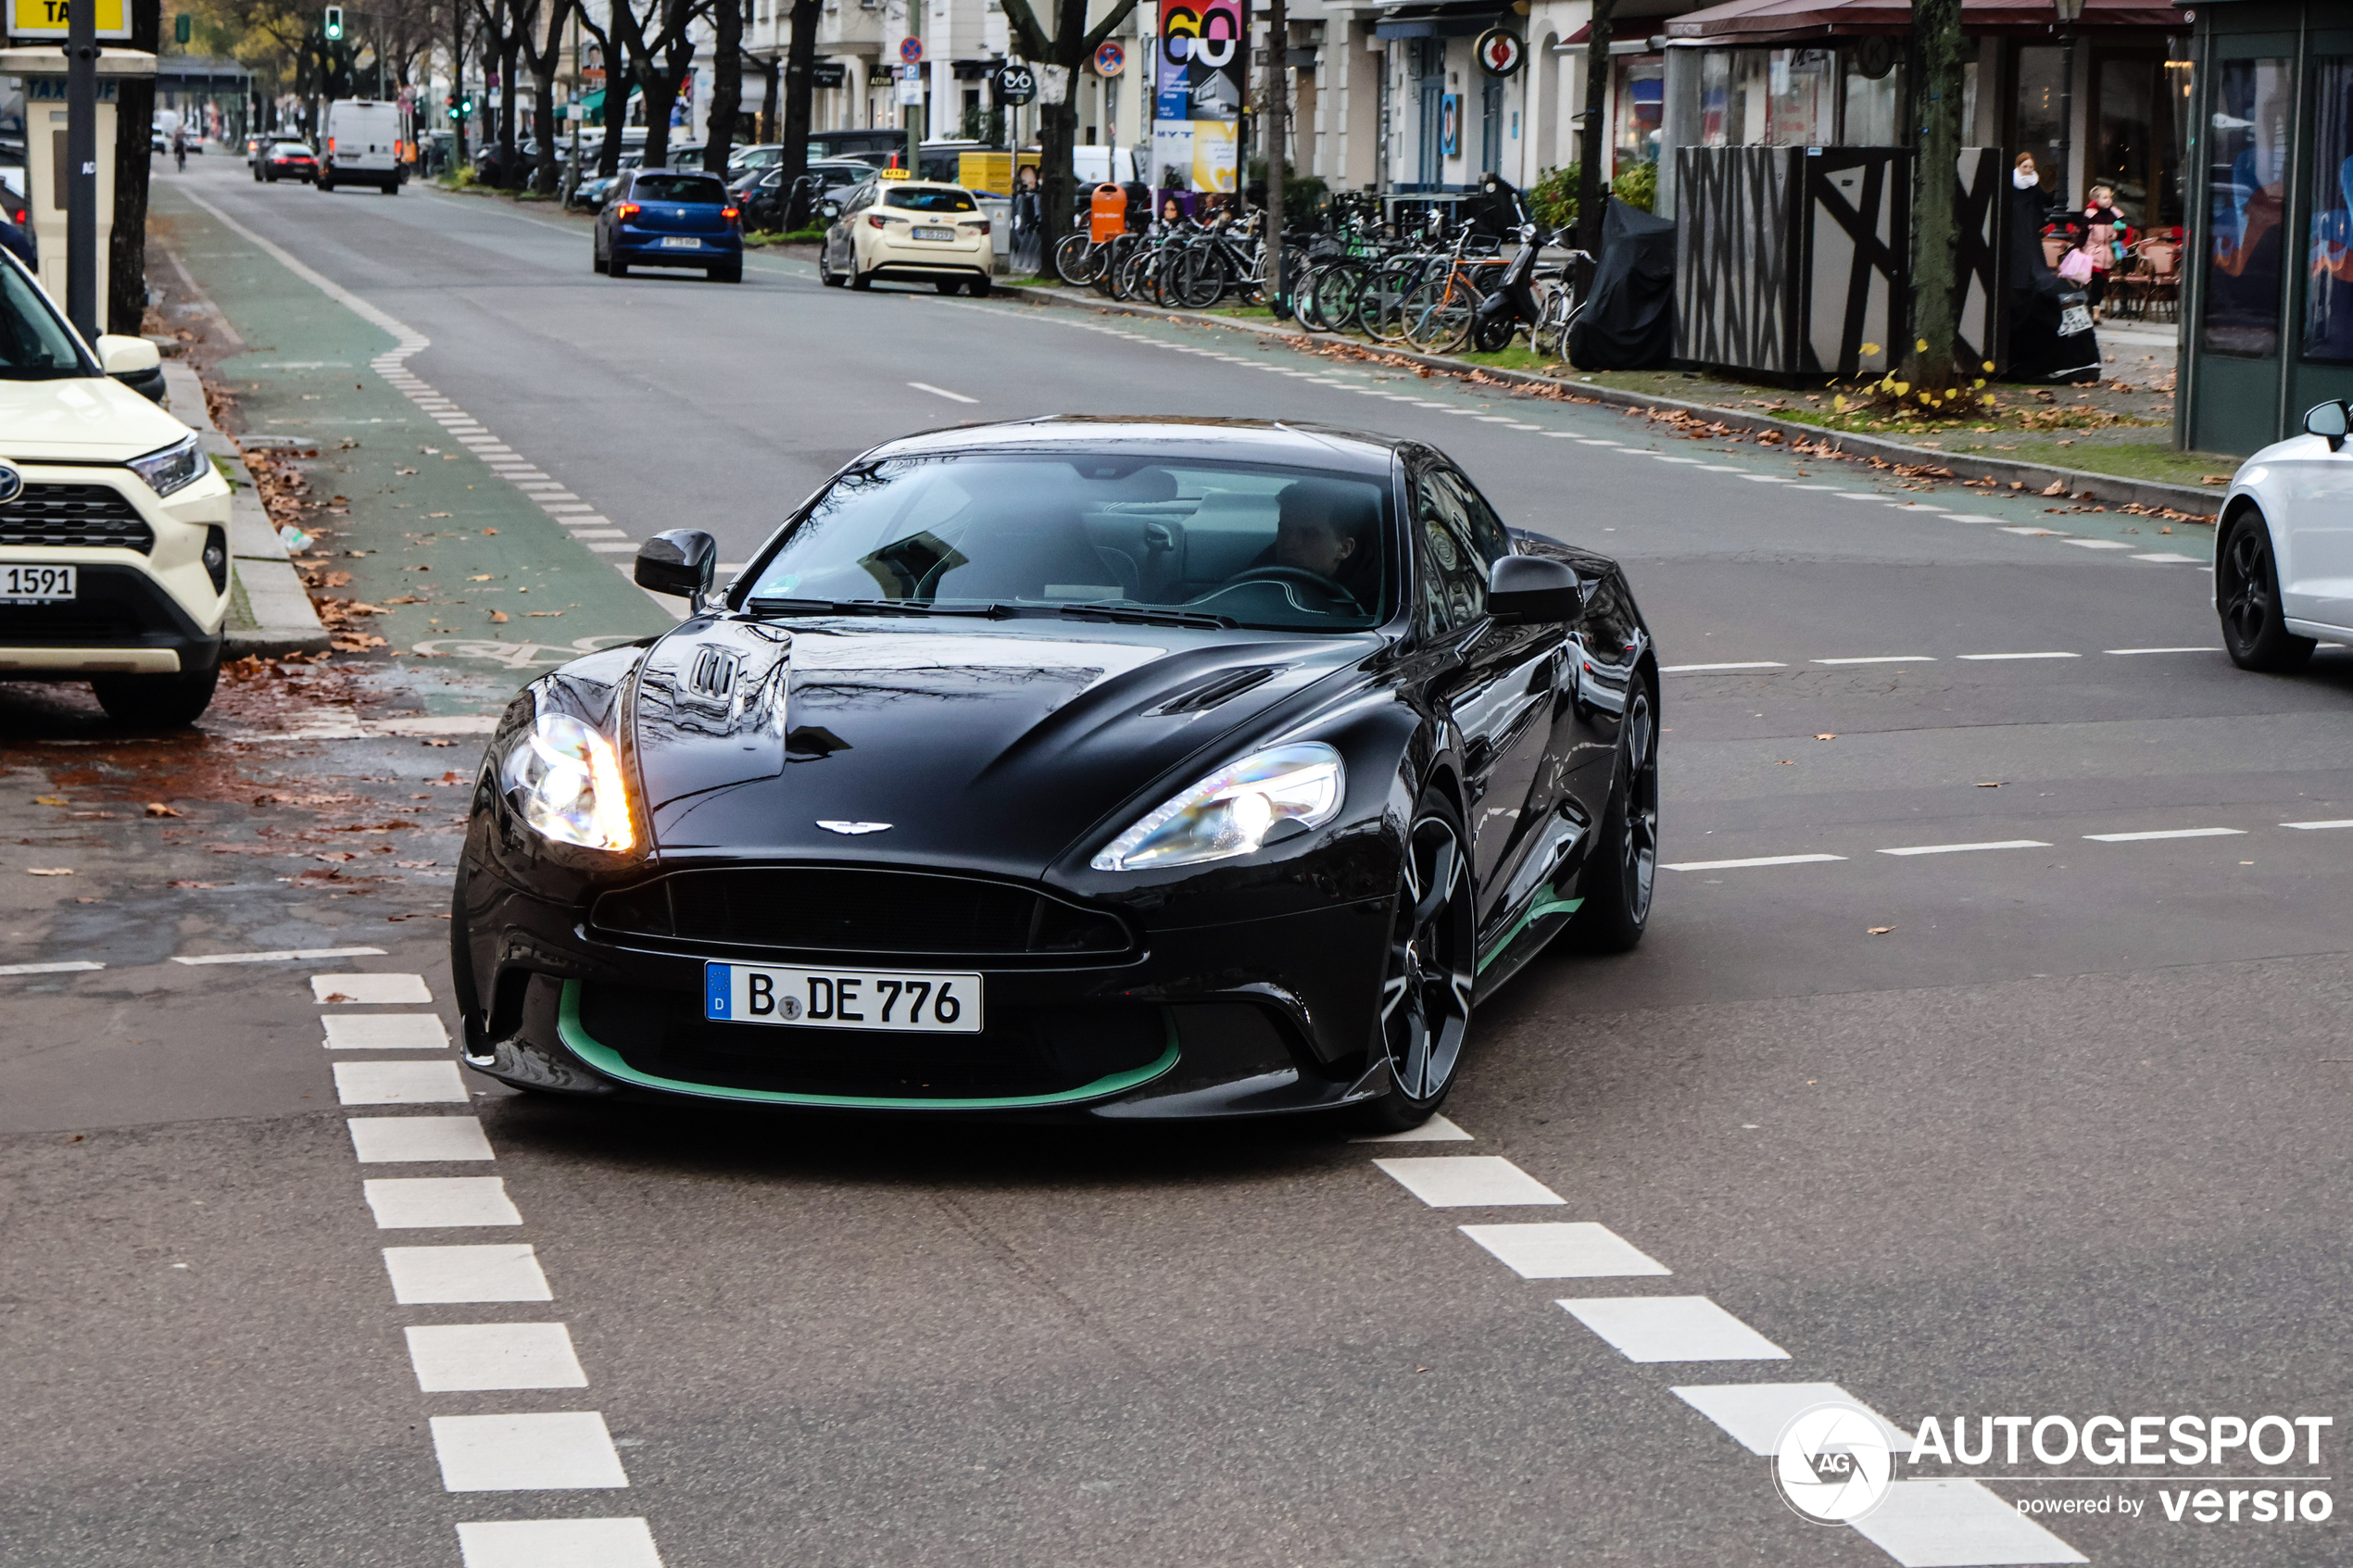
[(2049, 1124)]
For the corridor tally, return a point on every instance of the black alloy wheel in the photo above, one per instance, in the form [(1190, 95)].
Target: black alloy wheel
[(1625, 858), (1433, 964), (2247, 597), (158, 702), (860, 281), (825, 273)]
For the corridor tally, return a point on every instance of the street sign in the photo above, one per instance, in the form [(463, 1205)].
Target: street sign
[(1500, 52), (1110, 59), (47, 18), (911, 51), (911, 82), (1016, 84)]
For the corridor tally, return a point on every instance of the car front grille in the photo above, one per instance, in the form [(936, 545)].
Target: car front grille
[(846, 911), (88, 515)]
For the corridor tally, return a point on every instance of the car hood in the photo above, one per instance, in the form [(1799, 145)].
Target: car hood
[(91, 419), (989, 746)]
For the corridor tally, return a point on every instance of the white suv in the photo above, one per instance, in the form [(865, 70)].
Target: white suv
[(2283, 555), (114, 525)]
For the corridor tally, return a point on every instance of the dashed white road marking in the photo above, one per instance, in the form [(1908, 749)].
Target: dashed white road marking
[(2098, 544), (480, 1357), (2032, 533), (1885, 658), (1672, 1328), (369, 990), (1436, 1130), (282, 956), (1995, 658), (1580, 1249), (2167, 557), (941, 392), (68, 966), (558, 1543), (2166, 833), (386, 1032), (1753, 861), (437, 1276), (1753, 1414), (2309, 827), (2128, 652), (567, 1450), (414, 1203), (1935, 1524), (386, 1140), (399, 1083), (1966, 849), (1744, 664), (1468, 1181)]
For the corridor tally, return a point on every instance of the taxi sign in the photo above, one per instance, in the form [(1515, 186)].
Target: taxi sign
[(910, 48), (894, 174), (47, 18)]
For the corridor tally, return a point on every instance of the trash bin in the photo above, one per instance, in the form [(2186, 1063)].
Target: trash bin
[(1107, 214)]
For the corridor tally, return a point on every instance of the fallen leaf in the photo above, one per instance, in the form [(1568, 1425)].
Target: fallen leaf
[(2056, 487), (415, 865), (407, 599), (1826, 738), (437, 514), (480, 577), (538, 613), (439, 743), (332, 997), (185, 882), (50, 800), (1989, 783), (490, 531), (51, 871), (158, 809), (1881, 930), (1787, 763), (499, 615), (404, 471), (102, 900), (2214, 479)]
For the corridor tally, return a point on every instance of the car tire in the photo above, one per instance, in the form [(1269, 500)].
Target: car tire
[(976, 287), (860, 281), (392, 188), (949, 285), (158, 702), (825, 273), (595, 260), (322, 185), (615, 266), (1424, 1009), (257, 174), (2246, 599), (727, 274), (1623, 873)]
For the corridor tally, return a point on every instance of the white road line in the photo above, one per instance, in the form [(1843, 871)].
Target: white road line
[(941, 392), (1436, 1130), (368, 990), (282, 956), (2034, 532), (2098, 544), (2169, 833), (2311, 827), (1987, 657), (1695, 669), (1743, 865), (386, 1032), (1928, 1523), (414, 1203), (568, 1451), (1863, 495), (399, 1083), (69, 966), (387, 1140), (1966, 849), (1468, 1181), (2166, 557), (1753, 1414), (479, 1356), (1579, 1249), (435, 1275), (1885, 658), (1672, 1328), (1830, 489), (2128, 652), (558, 1543)]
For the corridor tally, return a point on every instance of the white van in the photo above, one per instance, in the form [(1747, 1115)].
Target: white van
[(1099, 165), (361, 146)]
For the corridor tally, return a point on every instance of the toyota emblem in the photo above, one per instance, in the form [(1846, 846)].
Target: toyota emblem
[(11, 483)]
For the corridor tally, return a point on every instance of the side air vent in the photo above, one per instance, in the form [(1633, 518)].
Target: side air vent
[(1221, 687)]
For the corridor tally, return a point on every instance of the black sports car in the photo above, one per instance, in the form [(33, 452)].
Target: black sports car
[(1133, 767)]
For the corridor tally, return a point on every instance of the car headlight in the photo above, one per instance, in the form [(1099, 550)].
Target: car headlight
[(565, 780), (1231, 811), (175, 468)]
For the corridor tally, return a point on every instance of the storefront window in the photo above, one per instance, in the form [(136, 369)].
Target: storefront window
[(1641, 98), (1716, 126), (2328, 300), (2246, 165), (1802, 86), (1872, 103), (2038, 124)]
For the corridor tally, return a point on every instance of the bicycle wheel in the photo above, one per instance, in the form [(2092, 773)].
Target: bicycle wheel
[(1559, 307), (1079, 261), (1437, 313), (1200, 278), (1338, 288), (1128, 279), (1381, 307)]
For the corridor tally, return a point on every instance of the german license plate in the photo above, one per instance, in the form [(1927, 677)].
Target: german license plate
[(36, 585), (2073, 320), (680, 242), (903, 1001), (935, 234)]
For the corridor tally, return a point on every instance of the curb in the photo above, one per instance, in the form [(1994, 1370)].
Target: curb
[(263, 581), (2076, 483)]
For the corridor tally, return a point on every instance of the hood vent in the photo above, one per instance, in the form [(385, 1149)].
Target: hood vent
[(1204, 695)]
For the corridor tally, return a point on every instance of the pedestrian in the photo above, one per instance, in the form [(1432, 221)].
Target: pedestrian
[(1029, 223), (2099, 242), (180, 147)]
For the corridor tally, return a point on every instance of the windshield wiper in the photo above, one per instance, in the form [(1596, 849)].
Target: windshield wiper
[(877, 607), (1143, 615)]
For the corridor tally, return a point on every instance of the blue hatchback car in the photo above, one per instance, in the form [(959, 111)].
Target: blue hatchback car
[(670, 218)]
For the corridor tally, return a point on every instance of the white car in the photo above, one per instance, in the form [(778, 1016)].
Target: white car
[(913, 230), (114, 525), (2284, 552)]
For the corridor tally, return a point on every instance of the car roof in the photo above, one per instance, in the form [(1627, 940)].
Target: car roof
[(924, 184), (1174, 438)]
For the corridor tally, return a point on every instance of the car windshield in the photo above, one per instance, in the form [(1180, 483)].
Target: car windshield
[(35, 345), (688, 188), (291, 149), (1254, 543), (926, 199)]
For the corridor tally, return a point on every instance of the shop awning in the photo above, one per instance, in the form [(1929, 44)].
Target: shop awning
[(1438, 21), (1766, 21)]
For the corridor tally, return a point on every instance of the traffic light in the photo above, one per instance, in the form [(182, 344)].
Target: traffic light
[(183, 28), (333, 28), (466, 107)]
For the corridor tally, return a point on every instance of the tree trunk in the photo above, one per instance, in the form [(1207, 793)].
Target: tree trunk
[(1591, 186), (458, 84), (801, 86), (1274, 110), (1936, 45), (771, 84), (1058, 123), (726, 84), (125, 306), (510, 107)]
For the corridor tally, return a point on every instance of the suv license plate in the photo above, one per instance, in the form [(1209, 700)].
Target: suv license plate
[(680, 242), (935, 234), (903, 1001), (36, 585)]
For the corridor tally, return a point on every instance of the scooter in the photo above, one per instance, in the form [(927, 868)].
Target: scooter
[(1511, 304)]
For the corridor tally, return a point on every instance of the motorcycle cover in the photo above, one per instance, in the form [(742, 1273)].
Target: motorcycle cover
[(1630, 322)]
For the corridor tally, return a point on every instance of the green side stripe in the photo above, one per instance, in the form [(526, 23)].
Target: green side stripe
[(606, 1060), (1545, 905)]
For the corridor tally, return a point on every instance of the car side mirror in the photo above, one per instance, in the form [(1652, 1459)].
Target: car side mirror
[(1533, 591), (831, 209), (2330, 421), (681, 562), (127, 356)]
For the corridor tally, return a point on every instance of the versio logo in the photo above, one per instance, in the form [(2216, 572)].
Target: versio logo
[(1832, 1465)]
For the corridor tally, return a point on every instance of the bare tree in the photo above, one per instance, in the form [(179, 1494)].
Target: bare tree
[(1068, 46), (1930, 367), (127, 248), (1591, 187), (506, 25), (801, 84), (726, 81), (542, 61)]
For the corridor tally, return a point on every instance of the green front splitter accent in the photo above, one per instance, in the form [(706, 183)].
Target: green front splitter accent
[(1545, 905), (606, 1060)]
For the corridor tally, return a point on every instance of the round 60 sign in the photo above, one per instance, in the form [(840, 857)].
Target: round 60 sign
[(1017, 83), (1500, 52)]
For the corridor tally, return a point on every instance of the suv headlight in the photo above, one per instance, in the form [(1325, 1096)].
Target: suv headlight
[(1231, 811), (175, 468), (563, 777)]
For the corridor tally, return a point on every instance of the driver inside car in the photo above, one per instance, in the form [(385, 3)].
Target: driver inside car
[(1325, 529)]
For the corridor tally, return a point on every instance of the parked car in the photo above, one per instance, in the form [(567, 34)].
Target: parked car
[(911, 230), (744, 160), (855, 142), (670, 218), (589, 195), (290, 160), (114, 542), (2283, 573), (761, 194)]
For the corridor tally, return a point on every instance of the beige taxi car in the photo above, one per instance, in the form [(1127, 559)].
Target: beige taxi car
[(907, 230)]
